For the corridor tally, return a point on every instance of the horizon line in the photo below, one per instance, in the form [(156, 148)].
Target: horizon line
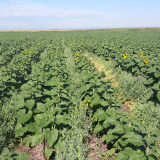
[(80, 29)]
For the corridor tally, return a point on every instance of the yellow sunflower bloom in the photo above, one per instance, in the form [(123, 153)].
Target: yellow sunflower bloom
[(80, 50), (82, 44), (124, 55), (38, 43), (80, 56), (24, 51), (30, 51), (77, 53), (141, 54), (76, 59), (71, 44), (146, 61), (51, 50)]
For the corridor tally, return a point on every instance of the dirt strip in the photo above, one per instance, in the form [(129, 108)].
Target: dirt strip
[(127, 105)]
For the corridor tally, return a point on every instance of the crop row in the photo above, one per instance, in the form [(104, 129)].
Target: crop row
[(133, 54)]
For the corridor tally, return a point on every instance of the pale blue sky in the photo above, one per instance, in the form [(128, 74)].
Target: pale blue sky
[(61, 14)]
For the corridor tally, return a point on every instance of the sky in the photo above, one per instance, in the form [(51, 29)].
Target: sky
[(82, 14)]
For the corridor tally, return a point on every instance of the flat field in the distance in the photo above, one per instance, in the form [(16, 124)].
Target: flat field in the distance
[(65, 30)]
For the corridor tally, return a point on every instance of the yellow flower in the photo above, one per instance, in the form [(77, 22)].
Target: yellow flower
[(124, 55), (91, 105), (80, 56), (95, 42), (89, 101), (81, 43), (146, 61), (75, 109), (141, 54), (38, 43), (80, 50), (30, 51), (51, 50), (77, 53), (71, 44), (76, 59), (118, 41), (81, 122), (24, 51), (159, 57)]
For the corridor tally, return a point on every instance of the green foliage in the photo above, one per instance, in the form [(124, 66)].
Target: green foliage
[(148, 114), (71, 144), (133, 88), (7, 123), (127, 134), (7, 155), (61, 98)]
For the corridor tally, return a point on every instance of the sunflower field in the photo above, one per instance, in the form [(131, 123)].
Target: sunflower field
[(80, 95)]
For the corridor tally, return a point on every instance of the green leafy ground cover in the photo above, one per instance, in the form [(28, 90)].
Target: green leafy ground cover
[(51, 93)]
